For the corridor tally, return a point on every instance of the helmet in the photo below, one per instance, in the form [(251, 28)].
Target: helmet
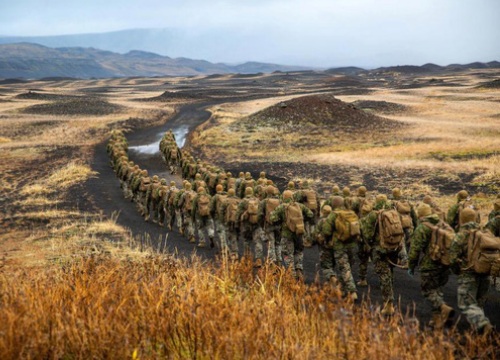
[(337, 201), (172, 183), (423, 210), (163, 181), (396, 193), (346, 191), (335, 189), (248, 191), (231, 192), (462, 195), (362, 191), (197, 176), (228, 174), (155, 178), (201, 190), (262, 174), (467, 215), (291, 185), (427, 200), (287, 194), (326, 210), (187, 185), (219, 188), (380, 198), (270, 190), (248, 175), (144, 173)]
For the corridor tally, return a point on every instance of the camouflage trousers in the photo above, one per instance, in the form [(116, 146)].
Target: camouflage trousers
[(309, 230), (127, 192), (472, 291), (252, 233), (408, 234), (141, 203), (221, 240), (232, 239), (205, 226), (364, 253), (188, 226), (293, 253), (344, 259), (385, 271), (272, 234), (432, 283), (179, 220), (160, 212), (327, 262)]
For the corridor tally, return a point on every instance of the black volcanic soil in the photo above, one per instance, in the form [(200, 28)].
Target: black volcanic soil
[(80, 106), (33, 95), (321, 110), (385, 107), (495, 84)]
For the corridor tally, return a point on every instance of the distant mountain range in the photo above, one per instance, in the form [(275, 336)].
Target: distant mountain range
[(34, 61)]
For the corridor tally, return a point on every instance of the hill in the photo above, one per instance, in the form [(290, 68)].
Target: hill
[(34, 61)]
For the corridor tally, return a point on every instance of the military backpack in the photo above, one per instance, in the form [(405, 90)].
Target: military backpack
[(220, 199), (252, 210), (346, 225), (188, 200), (311, 199), (294, 218), (271, 204), (442, 236), (390, 229), (204, 205), (483, 253), (404, 209), (145, 182), (231, 209)]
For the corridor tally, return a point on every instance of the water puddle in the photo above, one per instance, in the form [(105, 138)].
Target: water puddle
[(153, 148)]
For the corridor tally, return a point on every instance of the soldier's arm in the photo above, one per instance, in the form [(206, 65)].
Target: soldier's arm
[(418, 243), (368, 225), (328, 227), (456, 253), (277, 214), (452, 213)]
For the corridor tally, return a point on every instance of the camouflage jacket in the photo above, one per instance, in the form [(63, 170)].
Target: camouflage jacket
[(494, 222), (459, 248), (317, 234), (242, 208), (369, 226), (420, 240), (217, 202), (279, 216)]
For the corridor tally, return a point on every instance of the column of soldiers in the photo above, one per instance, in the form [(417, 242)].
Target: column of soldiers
[(222, 211)]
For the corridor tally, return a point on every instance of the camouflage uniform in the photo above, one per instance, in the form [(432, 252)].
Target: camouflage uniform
[(271, 231), (217, 207), (364, 249), (494, 219), (203, 222), (472, 287), (292, 244), (434, 275), (150, 203), (232, 227), (169, 199), (343, 251), (335, 192), (383, 259), (251, 232), (302, 196), (326, 253), (408, 219), (161, 196), (185, 204), (453, 216)]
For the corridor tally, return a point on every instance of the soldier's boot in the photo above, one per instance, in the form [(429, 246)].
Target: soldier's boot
[(192, 239), (435, 321), (362, 283), (388, 309), (181, 230), (202, 243), (334, 282), (447, 314)]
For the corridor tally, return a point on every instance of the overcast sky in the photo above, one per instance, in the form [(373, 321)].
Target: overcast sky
[(299, 32)]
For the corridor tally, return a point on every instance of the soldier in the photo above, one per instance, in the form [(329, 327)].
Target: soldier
[(141, 187), (185, 205), (362, 206), (131, 176), (494, 218), (248, 182), (169, 205), (230, 181), (472, 287), (250, 226), (326, 255), (463, 201), (217, 207), (201, 212), (271, 231), (434, 207), (161, 195), (341, 231), (407, 213), (230, 210), (238, 181), (433, 273), (386, 242), (348, 200), (150, 202), (309, 198), (335, 192), (291, 216)]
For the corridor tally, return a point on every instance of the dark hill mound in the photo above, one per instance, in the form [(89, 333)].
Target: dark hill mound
[(33, 95), (382, 106), (79, 106), (495, 84), (321, 111)]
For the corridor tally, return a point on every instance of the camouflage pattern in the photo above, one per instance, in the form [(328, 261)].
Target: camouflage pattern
[(232, 229), (292, 244), (217, 207), (271, 232), (472, 287), (251, 233), (204, 224), (187, 219), (493, 224)]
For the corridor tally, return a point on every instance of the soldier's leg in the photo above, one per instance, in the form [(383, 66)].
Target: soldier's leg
[(288, 249), (384, 272), (180, 221), (221, 240), (307, 234), (209, 223), (232, 238), (363, 256), (298, 256), (258, 245), (431, 285), (344, 271), (327, 264), (468, 287), (189, 228), (246, 235), (271, 243), (200, 227), (278, 246)]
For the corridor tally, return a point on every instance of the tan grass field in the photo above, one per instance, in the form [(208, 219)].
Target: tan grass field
[(74, 284)]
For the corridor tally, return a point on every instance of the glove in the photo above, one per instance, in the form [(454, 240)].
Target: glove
[(411, 272)]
